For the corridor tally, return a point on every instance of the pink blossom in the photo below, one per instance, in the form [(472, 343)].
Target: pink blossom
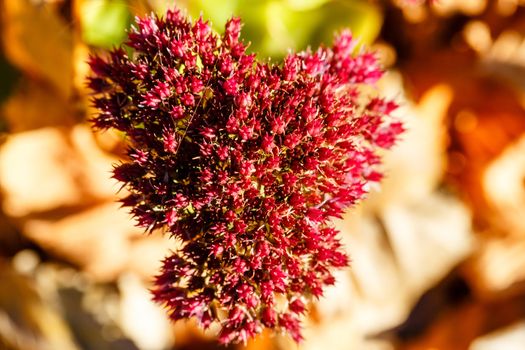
[(242, 161)]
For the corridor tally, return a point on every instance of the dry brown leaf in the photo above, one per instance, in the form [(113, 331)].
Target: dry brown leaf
[(508, 338), (51, 169), (397, 254), (38, 41), (458, 327), (264, 341), (146, 254), (98, 239), (481, 134), (454, 330), (504, 188), (468, 7), (33, 105), (35, 172), (339, 334), (402, 240), (484, 117), (428, 239), (498, 267), (81, 67), (94, 167), (143, 321), (26, 321), (415, 166)]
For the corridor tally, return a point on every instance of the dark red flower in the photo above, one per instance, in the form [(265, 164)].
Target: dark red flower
[(244, 162)]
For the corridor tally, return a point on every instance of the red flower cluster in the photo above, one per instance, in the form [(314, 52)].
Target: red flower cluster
[(243, 162)]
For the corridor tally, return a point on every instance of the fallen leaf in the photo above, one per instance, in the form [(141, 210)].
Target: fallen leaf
[(416, 165), (508, 338), (497, 269), (97, 239), (504, 188), (26, 320), (33, 105), (143, 321), (72, 171), (39, 42), (43, 152)]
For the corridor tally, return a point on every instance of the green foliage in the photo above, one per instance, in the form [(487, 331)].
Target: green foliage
[(104, 22), (274, 26)]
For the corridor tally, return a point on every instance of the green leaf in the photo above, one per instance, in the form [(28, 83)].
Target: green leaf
[(275, 26), (104, 22), (217, 11), (363, 18)]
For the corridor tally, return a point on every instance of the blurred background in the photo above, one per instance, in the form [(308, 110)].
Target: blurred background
[(438, 251)]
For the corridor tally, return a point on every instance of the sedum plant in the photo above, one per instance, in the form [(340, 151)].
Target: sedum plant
[(243, 162)]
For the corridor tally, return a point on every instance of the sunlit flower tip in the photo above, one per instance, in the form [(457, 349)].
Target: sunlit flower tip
[(297, 306), (244, 163)]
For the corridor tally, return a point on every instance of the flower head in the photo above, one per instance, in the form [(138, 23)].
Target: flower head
[(242, 161)]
